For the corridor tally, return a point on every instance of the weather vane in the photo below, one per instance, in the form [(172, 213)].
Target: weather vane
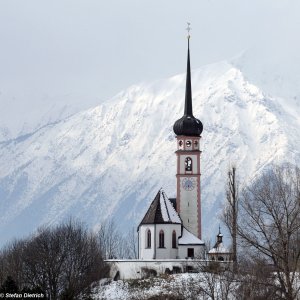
[(188, 30)]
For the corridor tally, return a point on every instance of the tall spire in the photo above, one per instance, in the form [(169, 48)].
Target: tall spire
[(188, 125), (188, 107)]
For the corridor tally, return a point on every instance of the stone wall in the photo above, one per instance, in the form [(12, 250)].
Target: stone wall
[(136, 269)]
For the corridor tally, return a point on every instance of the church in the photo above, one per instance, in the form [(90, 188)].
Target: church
[(170, 233), (171, 228)]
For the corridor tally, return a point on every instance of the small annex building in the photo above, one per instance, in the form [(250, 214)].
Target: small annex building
[(219, 252), (162, 234)]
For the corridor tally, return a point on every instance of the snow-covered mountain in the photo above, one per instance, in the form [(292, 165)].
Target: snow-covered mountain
[(23, 113), (110, 160)]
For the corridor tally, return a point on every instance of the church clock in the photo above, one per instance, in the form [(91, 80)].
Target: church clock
[(188, 184)]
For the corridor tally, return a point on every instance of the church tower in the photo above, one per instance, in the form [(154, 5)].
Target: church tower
[(188, 131)]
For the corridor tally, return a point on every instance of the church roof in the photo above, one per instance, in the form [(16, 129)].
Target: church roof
[(161, 211), (187, 238), (188, 125), (219, 248)]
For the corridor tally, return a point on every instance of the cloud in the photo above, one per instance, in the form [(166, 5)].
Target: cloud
[(97, 48)]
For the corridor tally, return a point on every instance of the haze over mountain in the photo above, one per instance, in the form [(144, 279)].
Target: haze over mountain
[(110, 160), (20, 116)]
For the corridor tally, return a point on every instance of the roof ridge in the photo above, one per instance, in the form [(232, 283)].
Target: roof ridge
[(164, 194), (172, 208)]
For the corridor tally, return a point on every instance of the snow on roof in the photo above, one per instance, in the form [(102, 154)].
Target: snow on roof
[(187, 238), (219, 249), (168, 211)]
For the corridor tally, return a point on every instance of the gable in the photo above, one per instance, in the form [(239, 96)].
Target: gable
[(161, 211)]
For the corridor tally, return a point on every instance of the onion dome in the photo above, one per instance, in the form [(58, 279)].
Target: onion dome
[(188, 125)]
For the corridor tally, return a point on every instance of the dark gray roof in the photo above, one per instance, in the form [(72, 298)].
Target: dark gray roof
[(161, 211)]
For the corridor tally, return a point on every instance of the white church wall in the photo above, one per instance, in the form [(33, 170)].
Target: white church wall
[(133, 269), (155, 252), (198, 251), (144, 252), (219, 256), (167, 252)]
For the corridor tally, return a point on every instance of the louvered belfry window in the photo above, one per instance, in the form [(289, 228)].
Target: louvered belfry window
[(188, 164)]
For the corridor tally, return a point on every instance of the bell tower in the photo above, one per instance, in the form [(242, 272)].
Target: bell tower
[(188, 131)]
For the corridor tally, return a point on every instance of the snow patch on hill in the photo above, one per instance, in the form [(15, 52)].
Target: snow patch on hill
[(180, 286)]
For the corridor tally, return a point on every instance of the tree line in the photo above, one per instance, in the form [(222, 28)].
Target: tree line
[(62, 261), (262, 218)]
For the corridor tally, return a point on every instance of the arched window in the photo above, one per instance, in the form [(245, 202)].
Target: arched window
[(174, 242), (161, 239), (148, 239), (188, 164)]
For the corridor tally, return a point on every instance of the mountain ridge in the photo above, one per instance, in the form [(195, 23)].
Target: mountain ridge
[(110, 160)]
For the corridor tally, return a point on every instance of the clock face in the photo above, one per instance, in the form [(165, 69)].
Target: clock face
[(188, 184)]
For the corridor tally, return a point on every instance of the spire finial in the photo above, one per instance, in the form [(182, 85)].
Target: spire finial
[(219, 229), (188, 30), (188, 108)]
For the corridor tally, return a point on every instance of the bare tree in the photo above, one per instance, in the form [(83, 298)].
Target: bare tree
[(109, 239), (126, 247), (11, 263), (217, 280), (44, 259), (255, 279), (114, 244), (207, 246), (62, 261), (230, 213), (83, 263), (269, 225), (131, 241)]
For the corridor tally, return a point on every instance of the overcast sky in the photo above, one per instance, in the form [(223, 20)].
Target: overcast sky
[(97, 48)]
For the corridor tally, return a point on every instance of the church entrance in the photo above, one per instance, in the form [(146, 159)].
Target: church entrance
[(190, 252)]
